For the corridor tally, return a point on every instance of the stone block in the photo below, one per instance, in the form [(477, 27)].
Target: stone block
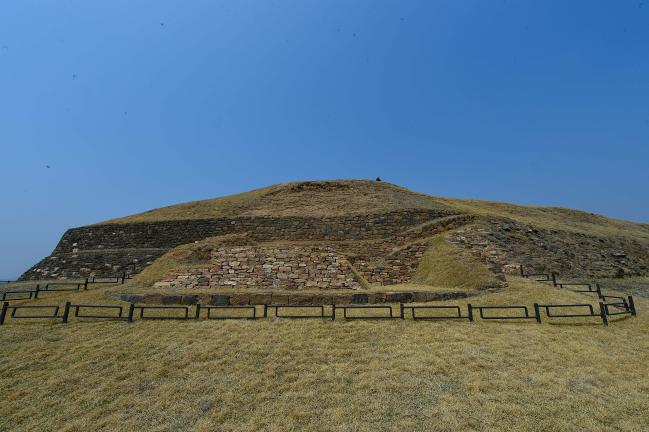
[(152, 298), (342, 299), (360, 299), (132, 298), (256, 299), (398, 297), (304, 299), (171, 299), (420, 296), (323, 299), (219, 300), (189, 299), (379, 297), (239, 299), (279, 299)]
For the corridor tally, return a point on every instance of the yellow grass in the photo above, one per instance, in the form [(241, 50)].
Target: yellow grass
[(191, 255), (352, 197), (552, 218), (281, 375), (446, 265), (314, 199)]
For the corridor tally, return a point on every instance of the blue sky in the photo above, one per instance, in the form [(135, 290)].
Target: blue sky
[(138, 104)]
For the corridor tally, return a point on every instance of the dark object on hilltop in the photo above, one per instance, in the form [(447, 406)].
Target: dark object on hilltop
[(378, 179)]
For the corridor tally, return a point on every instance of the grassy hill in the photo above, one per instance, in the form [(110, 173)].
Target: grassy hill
[(336, 198), (356, 197)]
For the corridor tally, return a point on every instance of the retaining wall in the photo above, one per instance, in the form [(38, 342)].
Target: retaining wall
[(100, 249)]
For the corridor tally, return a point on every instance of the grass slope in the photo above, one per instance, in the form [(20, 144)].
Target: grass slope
[(315, 199), (324, 198), (277, 375), (446, 265)]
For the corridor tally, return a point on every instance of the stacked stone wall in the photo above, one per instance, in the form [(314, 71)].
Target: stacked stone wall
[(102, 249), (506, 244), (397, 267), (169, 234), (287, 268)]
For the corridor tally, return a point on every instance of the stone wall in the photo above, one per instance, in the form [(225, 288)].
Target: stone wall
[(82, 264), (169, 234), (285, 268), (247, 297), (101, 249), (506, 244), (396, 267)]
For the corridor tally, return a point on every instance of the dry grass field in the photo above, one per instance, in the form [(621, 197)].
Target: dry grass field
[(295, 375)]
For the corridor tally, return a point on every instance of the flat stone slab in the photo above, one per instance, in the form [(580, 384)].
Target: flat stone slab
[(255, 298)]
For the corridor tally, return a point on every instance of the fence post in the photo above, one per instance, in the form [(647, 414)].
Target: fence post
[(537, 312), (85, 284), (265, 310), (598, 289), (554, 279), (632, 306), (38, 288), (123, 277), (198, 310), (66, 312), (401, 307), (3, 312), (131, 309), (470, 309), (602, 313), (521, 270)]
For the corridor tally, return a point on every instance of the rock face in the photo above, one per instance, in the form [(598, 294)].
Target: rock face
[(289, 268), (506, 245)]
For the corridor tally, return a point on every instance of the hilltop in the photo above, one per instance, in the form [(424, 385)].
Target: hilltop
[(330, 198), (380, 233)]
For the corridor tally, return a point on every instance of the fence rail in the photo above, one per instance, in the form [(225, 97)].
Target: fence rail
[(345, 308), (413, 309), (29, 292), (482, 309), (79, 307), (609, 305), (226, 308), (184, 309), (278, 307), (350, 312), (61, 286)]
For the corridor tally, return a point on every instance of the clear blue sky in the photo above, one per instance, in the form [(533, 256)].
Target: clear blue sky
[(138, 104)]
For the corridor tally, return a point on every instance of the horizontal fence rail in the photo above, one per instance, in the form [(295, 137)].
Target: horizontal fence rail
[(318, 309), (61, 286), (622, 306), (184, 309), (345, 308), (457, 312), (226, 308), (550, 307), (609, 305), (54, 314), (30, 294), (482, 309), (78, 311)]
